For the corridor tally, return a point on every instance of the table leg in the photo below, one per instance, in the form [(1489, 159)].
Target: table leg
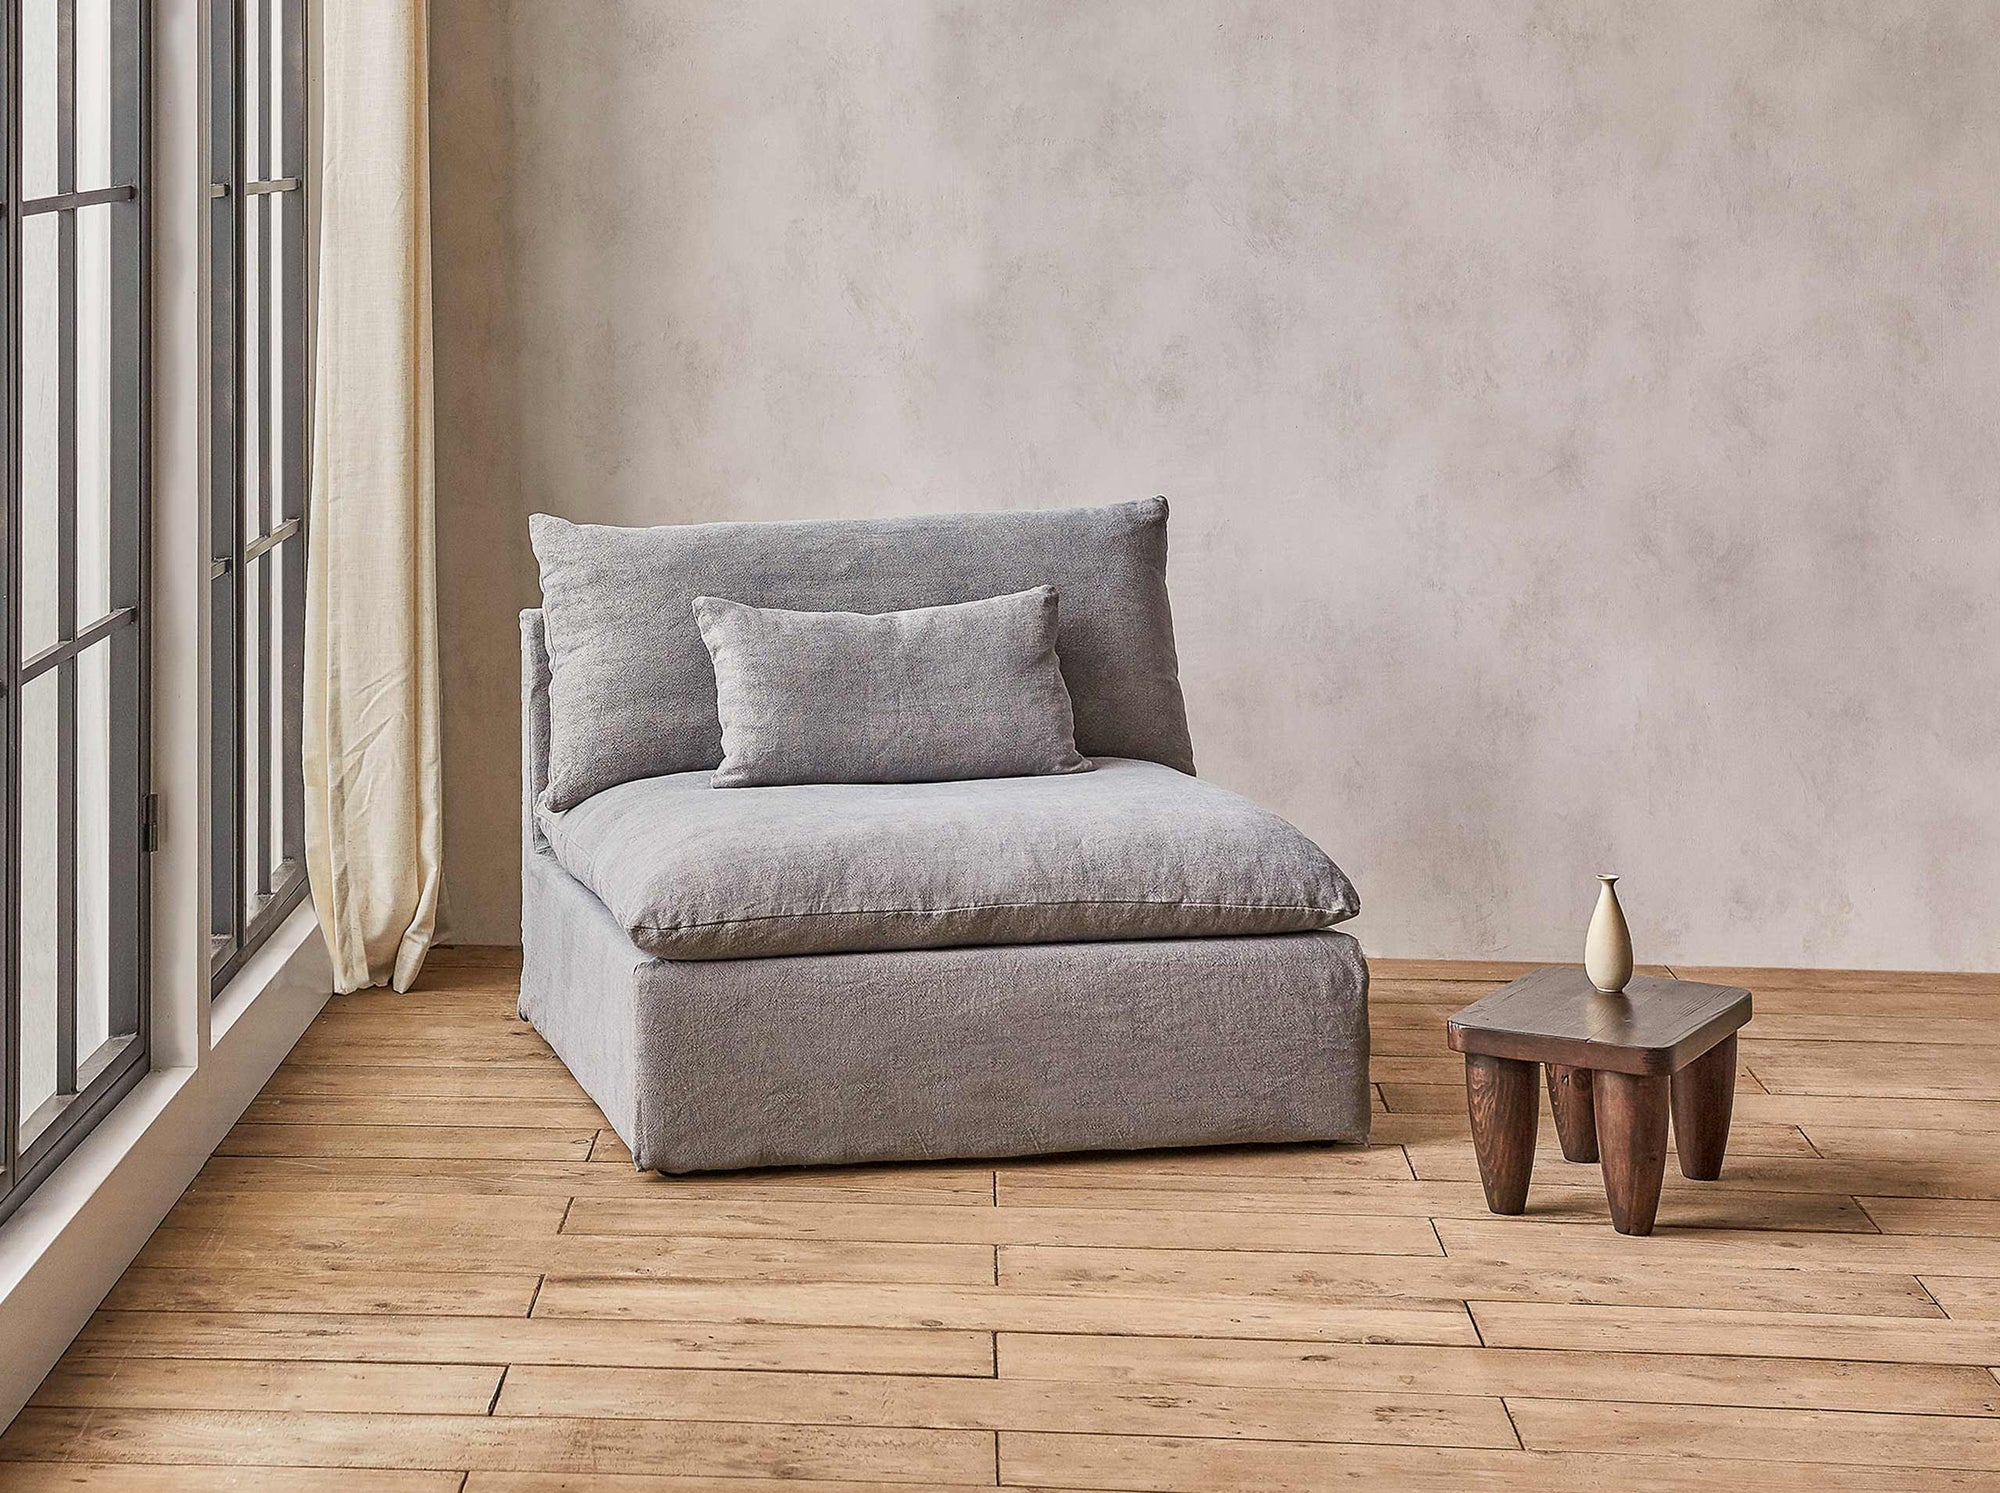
[(1576, 1115), (1500, 1097), (1704, 1095), (1632, 1135)]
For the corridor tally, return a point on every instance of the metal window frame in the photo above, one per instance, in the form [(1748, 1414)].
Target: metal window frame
[(87, 1085), (245, 213)]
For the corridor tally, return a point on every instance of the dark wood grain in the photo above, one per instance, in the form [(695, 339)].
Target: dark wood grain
[(1576, 1115), (1554, 1015), (1704, 1094), (1501, 1101), (1632, 1137)]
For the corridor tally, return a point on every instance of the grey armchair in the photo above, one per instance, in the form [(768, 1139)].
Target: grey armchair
[(1177, 984)]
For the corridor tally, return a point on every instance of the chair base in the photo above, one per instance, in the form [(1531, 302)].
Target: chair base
[(947, 1053)]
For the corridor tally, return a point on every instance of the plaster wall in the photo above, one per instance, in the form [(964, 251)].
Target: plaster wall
[(1580, 419)]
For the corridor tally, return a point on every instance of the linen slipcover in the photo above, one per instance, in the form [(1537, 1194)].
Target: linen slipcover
[(971, 690), (1132, 850), (823, 1059), (632, 690)]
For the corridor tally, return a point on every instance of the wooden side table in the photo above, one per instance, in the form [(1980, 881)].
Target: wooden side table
[(1617, 1064)]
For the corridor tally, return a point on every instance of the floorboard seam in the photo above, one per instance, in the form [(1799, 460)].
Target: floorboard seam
[(1925, 1286)]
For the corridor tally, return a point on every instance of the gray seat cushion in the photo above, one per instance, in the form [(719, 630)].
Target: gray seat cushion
[(1132, 850), (632, 691)]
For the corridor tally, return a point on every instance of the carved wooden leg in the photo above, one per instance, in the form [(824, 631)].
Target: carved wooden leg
[(1576, 1116), (1501, 1099), (1632, 1137), (1704, 1095)]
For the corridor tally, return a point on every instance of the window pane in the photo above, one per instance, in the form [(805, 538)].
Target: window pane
[(222, 759), (38, 98), (251, 101), (41, 384), (38, 878), (274, 88), (273, 326), (250, 402), (93, 94), (93, 849), (278, 751), (95, 429), (254, 580)]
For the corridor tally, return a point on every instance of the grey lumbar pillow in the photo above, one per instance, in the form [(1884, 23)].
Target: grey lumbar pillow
[(931, 695)]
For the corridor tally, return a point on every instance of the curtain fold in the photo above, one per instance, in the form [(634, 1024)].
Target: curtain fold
[(373, 774)]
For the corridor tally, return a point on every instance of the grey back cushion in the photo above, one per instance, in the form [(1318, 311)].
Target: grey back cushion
[(922, 696), (632, 690)]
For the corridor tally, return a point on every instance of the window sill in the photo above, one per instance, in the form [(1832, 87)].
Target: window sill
[(68, 1243), (275, 966)]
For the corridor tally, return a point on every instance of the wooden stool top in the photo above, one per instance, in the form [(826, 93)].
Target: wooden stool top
[(1554, 1015)]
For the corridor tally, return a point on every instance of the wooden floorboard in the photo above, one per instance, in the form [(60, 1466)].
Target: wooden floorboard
[(423, 1263), (60, 1477)]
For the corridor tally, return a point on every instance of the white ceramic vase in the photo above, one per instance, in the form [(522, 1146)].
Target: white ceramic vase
[(1607, 947)]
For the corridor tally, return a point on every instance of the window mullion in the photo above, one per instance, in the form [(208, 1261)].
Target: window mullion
[(10, 628), (126, 539), (239, 484), (224, 465), (66, 476), (292, 210), (262, 215)]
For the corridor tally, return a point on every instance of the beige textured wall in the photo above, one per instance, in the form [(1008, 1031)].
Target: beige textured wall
[(1582, 420)]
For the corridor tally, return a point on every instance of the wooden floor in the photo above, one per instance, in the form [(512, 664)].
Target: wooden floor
[(421, 1262)]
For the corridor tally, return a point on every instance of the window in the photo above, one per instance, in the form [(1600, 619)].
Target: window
[(256, 470), (73, 905)]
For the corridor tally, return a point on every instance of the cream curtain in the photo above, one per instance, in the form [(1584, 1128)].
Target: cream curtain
[(373, 779)]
